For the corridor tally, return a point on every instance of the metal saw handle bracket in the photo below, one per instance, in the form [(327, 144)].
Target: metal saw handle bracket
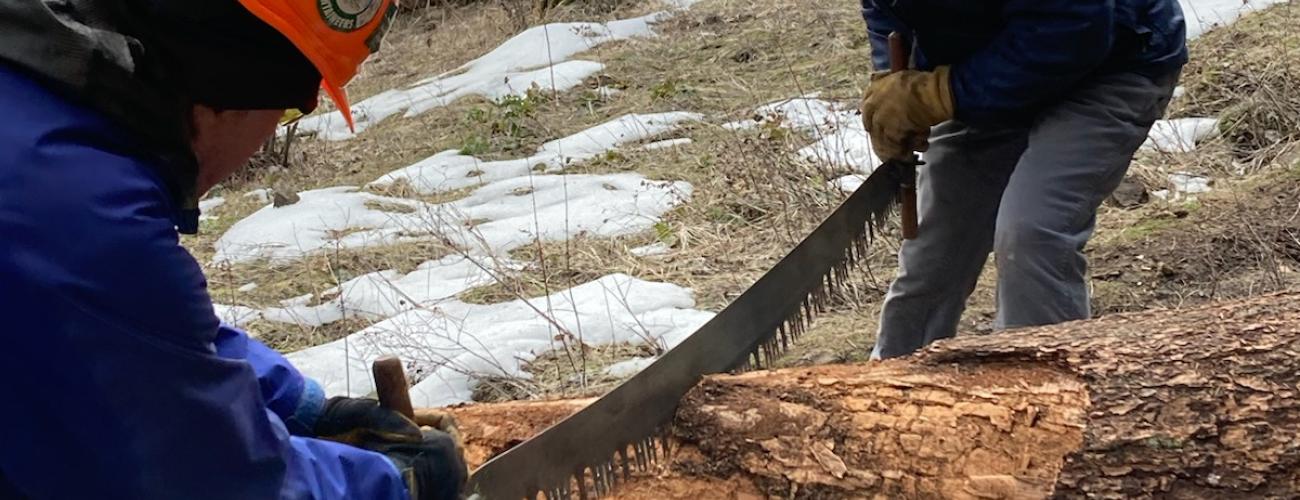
[(900, 54)]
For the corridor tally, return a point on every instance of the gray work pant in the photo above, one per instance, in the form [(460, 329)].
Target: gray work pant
[(1030, 195)]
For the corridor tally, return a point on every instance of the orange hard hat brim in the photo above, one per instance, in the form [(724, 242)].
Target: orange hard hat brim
[(312, 50)]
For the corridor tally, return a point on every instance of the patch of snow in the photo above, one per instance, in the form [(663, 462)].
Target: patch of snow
[(849, 183), (321, 218), (236, 315), (450, 170), (1185, 183), (629, 367), (606, 92), (382, 294), (248, 287), (841, 140), (1202, 15), (210, 204), (657, 248), (681, 4), (262, 195), (668, 143), (451, 345), (745, 124), (300, 300), (1180, 135), (537, 57), (496, 218), (556, 207)]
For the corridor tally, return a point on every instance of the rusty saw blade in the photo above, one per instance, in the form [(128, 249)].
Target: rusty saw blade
[(598, 447)]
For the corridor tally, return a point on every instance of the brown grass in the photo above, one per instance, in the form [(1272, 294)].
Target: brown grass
[(1248, 74)]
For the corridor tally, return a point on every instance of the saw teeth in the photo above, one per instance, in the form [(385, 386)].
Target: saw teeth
[(603, 478)]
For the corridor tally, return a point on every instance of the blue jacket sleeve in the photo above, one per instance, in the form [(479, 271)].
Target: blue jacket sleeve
[(295, 399), (1046, 47), (880, 24), (109, 343)]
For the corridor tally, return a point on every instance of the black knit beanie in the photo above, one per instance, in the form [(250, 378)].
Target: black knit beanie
[(226, 58)]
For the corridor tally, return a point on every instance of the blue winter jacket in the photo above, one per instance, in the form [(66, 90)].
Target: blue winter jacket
[(1010, 57), (120, 381)]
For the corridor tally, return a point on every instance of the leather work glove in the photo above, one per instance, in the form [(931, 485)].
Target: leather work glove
[(900, 107), (441, 420), (356, 421), (432, 467)]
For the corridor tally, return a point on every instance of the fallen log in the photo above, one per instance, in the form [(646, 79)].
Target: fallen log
[(1194, 403)]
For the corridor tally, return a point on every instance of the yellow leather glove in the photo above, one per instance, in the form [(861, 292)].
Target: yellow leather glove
[(899, 108)]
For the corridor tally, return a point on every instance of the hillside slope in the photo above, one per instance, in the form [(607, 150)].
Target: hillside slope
[(538, 212)]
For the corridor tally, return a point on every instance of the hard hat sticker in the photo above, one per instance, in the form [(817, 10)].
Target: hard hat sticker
[(348, 15)]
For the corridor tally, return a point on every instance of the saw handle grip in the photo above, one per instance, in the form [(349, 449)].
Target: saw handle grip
[(900, 55), (907, 206), (391, 385)]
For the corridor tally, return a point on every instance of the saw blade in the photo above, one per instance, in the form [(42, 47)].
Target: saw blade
[(594, 449)]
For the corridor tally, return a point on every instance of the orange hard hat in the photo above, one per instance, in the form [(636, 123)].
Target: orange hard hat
[(335, 35)]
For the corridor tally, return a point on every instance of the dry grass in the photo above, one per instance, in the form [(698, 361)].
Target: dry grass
[(1248, 74), (570, 371)]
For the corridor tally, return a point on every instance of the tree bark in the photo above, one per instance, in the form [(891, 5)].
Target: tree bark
[(1194, 403)]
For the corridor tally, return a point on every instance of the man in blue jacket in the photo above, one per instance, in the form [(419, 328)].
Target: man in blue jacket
[(1029, 113), (121, 382)]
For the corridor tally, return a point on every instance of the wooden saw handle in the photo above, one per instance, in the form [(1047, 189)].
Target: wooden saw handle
[(391, 385), (900, 55)]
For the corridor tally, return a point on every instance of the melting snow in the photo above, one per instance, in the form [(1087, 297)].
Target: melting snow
[(536, 57), (449, 346), (450, 170), (1202, 15), (380, 294), (498, 217), (628, 368), (236, 315), (1186, 183), (657, 248), (209, 204), (262, 195), (841, 140), (667, 143), (1180, 135), (336, 216)]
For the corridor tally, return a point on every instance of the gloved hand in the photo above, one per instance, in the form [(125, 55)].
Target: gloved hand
[(441, 420), (433, 468), (355, 421), (900, 107)]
